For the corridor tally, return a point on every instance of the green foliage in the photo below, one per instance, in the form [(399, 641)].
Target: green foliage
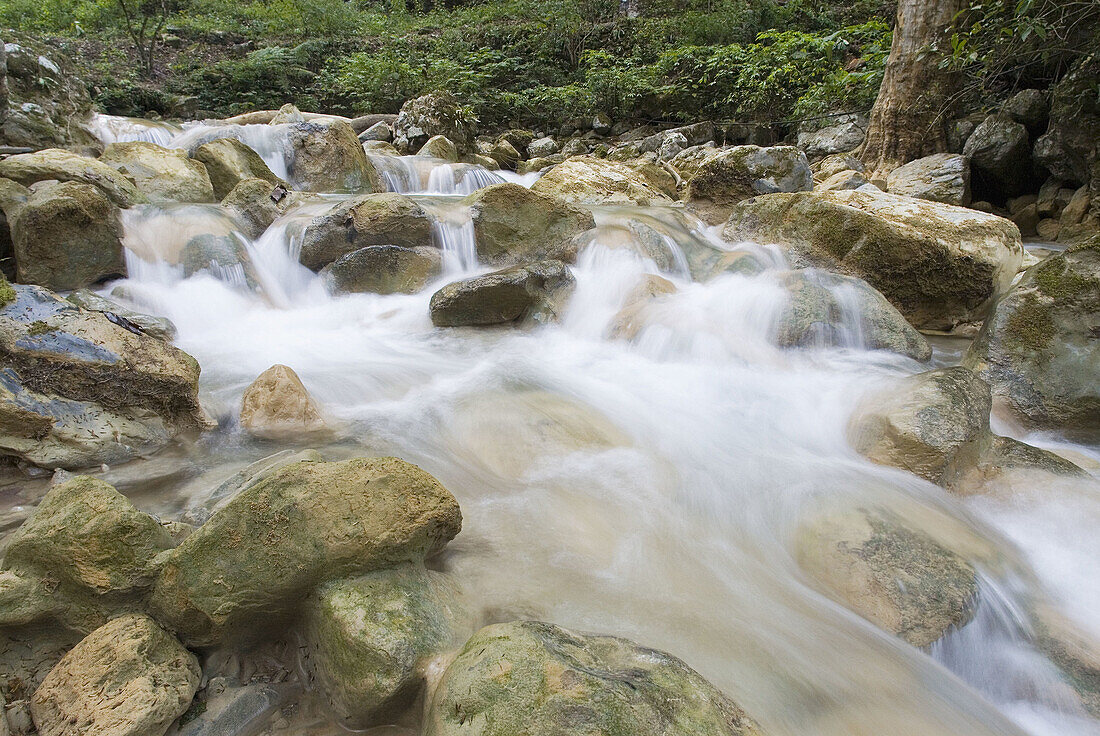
[(264, 79)]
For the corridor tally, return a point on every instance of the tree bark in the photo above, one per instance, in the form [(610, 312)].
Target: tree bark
[(909, 119)]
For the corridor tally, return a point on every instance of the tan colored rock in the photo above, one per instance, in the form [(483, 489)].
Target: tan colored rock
[(129, 677), (632, 318), (589, 180), (163, 174), (229, 162), (60, 165), (277, 406)]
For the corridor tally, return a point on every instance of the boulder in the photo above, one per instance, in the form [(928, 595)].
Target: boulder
[(574, 147), (939, 265), (1030, 108), (158, 327), (439, 146), (70, 373), (536, 291), (225, 257), (326, 156), (249, 567), (686, 163), (66, 236), (385, 269), (587, 180), (1000, 158), (536, 165), (834, 164), (430, 115), (942, 177), (837, 134), (380, 131), (129, 677), (505, 155), (366, 640), (892, 574), (386, 218), (12, 198), (288, 113), (256, 203), (830, 310), (1068, 149), (542, 147), (276, 406), (56, 164), (85, 555), (1039, 349), (515, 225), (743, 172), (535, 678), (841, 180), (228, 162), (162, 174)]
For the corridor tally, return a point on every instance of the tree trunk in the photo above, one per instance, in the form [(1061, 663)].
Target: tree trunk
[(909, 118)]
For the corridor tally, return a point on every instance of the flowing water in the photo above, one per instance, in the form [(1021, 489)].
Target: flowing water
[(649, 487)]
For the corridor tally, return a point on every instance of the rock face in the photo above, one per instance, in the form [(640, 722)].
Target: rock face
[(536, 678), (67, 236), (533, 292), (80, 390), (264, 550), (54, 163), (277, 406), (939, 265), (942, 177), (84, 555), (826, 310), (162, 174), (367, 637), (895, 576), (431, 115), (385, 269), (128, 678), (328, 157), (514, 225), (228, 162), (373, 219), (1000, 158), (1039, 348), (743, 172), (587, 180)]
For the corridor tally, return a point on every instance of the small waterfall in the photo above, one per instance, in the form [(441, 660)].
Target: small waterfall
[(454, 235), (116, 129), (400, 173), (269, 141), (461, 179)]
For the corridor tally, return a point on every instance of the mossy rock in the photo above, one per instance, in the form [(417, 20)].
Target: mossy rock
[(589, 180), (162, 174), (257, 203), (60, 165), (723, 180), (328, 157), (373, 219), (515, 225), (228, 162), (385, 269), (537, 291), (542, 680)]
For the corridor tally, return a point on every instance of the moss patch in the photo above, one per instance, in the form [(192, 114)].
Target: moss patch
[(7, 292)]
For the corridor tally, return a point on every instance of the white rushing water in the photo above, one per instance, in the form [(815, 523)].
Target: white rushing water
[(649, 487)]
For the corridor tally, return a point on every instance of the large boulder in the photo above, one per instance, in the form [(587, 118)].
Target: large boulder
[(1030, 108), (78, 384), (1000, 158), (587, 180), (385, 269), (830, 310), (939, 265), (431, 115), (326, 156), (277, 406), (162, 174), (893, 574), (250, 566), (43, 103), (386, 218), (228, 162), (129, 677), (441, 147), (838, 134), (536, 678), (56, 164), (366, 639), (66, 236), (1039, 349), (1068, 149), (536, 292), (514, 225), (256, 203), (941, 177), (743, 172)]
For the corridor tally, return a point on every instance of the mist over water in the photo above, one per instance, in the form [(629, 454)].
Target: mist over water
[(649, 487)]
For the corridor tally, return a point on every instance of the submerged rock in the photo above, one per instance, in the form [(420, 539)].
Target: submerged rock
[(385, 269), (367, 638), (743, 172), (536, 292), (587, 180), (56, 164), (301, 526), (66, 236), (515, 225), (130, 677), (942, 177), (632, 318), (1039, 349), (162, 174), (276, 406), (895, 576), (536, 678), (939, 265), (373, 219), (326, 156), (228, 162)]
